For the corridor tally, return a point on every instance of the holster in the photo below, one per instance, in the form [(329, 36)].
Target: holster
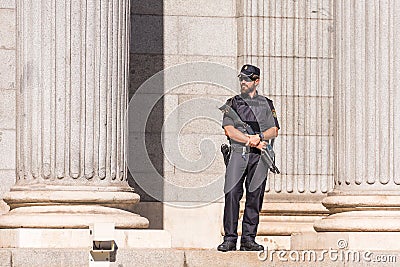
[(226, 153)]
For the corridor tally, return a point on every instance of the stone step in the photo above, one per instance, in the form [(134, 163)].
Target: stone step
[(174, 258)]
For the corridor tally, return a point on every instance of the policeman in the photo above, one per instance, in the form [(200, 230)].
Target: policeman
[(245, 165)]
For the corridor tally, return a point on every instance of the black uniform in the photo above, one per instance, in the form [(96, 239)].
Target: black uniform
[(245, 167)]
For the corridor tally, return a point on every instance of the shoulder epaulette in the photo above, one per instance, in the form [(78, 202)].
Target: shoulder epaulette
[(229, 101)]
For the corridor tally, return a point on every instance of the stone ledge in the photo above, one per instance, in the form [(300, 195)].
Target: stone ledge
[(31, 238), (49, 257), (163, 257), (363, 241)]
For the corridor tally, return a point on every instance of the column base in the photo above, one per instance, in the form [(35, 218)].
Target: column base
[(80, 238), (360, 213), (286, 225), (70, 209), (356, 241), (360, 221), (75, 217)]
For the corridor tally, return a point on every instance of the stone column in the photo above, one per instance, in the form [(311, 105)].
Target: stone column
[(291, 42), (72, 79), (366, 195)]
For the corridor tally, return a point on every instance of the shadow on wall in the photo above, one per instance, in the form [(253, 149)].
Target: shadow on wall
[(146, 59)]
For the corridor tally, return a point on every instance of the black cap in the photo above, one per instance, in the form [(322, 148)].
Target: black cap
[(250, 71)]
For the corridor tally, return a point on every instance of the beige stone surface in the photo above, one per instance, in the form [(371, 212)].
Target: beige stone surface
[(171, 60), (366, 158), (378, 220), (200, 8), (364, 201), (305, 155), (177, 257), (240, 258), (7, 28), (315, 9), (150, 257), (171, 35), (155, 239), (286, 225), (50, 257), (194, 227), (7, 148), (7, 180), (56, 129), (273, 241), (4, 208), (45, 238), (360, 241), (285, 37), (305, 115), (194, 30), (74, 216), (365, 197), (7, 69), (293, 76), (201, 148), (81, 238), (194, 180), (20, 198), (7, 109), (7, 3), (5, 258), (214, 258)]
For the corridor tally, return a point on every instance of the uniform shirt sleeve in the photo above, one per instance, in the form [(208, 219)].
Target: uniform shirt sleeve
[(226, 120), (272, 118)]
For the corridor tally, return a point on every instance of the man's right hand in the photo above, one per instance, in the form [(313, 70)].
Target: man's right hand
[(254, 140)]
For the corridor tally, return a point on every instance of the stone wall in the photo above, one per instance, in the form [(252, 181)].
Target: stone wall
[(166, 34), (199, 31), (289, 40), (7, 96)]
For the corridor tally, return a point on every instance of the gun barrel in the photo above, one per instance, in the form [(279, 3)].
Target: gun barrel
[(269, 161)]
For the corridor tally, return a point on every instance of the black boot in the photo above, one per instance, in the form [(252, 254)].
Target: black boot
[(227, 246), (251, 246)]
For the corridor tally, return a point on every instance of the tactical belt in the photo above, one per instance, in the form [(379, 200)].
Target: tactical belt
[(245, 149)]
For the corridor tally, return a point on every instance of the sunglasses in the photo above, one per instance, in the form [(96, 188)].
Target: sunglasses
[(247, 79)]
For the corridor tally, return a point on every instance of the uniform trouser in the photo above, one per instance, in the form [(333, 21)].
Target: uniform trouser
[(249, 169)]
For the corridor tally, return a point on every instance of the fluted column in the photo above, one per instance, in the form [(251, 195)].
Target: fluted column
[(367, 83), (291, 42), (72, 75)]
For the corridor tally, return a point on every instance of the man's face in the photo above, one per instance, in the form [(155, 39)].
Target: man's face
[(247, 85)]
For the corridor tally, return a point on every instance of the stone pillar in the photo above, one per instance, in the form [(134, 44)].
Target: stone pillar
[(291, 42), (366, 195), (72, 80)]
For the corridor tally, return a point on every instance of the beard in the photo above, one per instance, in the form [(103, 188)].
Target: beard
[(245, 90)]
